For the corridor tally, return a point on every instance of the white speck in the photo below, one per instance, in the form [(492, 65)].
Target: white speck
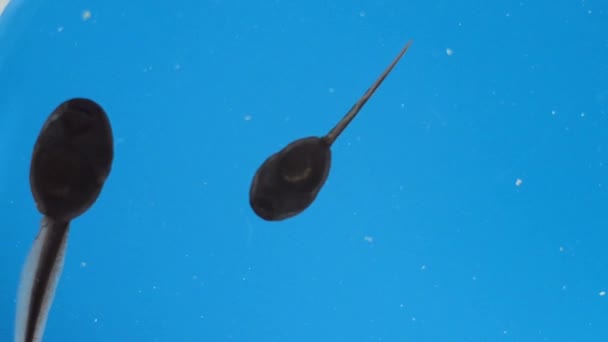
[(449, 51), (244, 278), (202, 316), (589, 12), (83, 264), (553, 112), (177, 67), (331, 90), (561, 249), (247, 118), (403, 105), (86, 15), (368, 238), (60, 29), (413, 319), (401, 305), (508, 14), (154, 287), (474, 278), (95, 320), (602, 293), (423, 267), (362, 14), (582, 114), (518, 182), (504, 332), (564, 287)]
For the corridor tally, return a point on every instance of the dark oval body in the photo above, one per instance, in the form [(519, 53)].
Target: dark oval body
[(71, 160), (289, 180)]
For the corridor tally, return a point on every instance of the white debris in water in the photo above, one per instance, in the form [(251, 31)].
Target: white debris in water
[(83, 264), (518, 182), (362, 14), (368, 238), (3, 4), (449, 51), (86, 15), (602, 293), (247, 118), (423, 267)]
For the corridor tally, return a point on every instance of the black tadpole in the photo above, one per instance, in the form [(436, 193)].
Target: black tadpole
[(72, 159), (289, 181)]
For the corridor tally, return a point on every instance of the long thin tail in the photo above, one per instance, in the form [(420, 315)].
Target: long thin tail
[(331, 137), (39, 280)]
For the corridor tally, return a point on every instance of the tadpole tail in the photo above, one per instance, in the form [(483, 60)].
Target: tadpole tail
[(331, 137), (39, 280)]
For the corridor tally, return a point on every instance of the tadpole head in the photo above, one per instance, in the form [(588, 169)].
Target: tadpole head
[(289, 181), (72, 158)]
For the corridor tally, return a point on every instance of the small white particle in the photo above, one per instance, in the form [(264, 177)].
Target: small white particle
[(95, 320), (362, 14), (423, 267), (86, 15), (553, 112), (60, 29), (504, 332), (474, 278), (368, 238), (247, 118), (449, 51), (589, 12), (561, 249), (177, 67), (518, 182), (413, 319), (331, 90), (401, 305), (602, 293), (83, 264), (564, 287), (582, 114)]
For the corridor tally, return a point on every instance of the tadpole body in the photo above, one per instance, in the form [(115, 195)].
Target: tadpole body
[(70, 163), (289, 180)]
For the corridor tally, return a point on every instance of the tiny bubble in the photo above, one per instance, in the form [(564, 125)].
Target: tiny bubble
[(86, 15)]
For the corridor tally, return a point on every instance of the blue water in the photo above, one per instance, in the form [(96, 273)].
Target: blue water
[(466, 202)]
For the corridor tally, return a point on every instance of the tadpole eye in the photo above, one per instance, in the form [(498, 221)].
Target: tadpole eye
[(263, 206)]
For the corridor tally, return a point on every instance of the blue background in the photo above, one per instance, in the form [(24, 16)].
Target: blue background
[(420, 234)]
